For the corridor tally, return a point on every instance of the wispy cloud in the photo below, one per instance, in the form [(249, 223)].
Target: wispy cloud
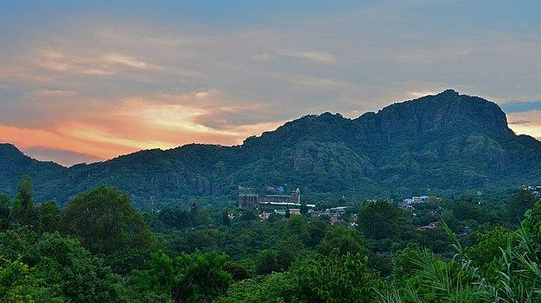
[(319, 57), (313, 56), (109, 128), (65, 157), (56, 93), (101, 65), (129, 61), (528, 123), (421, 93)]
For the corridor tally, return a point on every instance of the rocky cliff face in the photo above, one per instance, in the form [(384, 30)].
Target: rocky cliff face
[(432, 113), (446, 141)]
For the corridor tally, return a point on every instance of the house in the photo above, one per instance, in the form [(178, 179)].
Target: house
[(335, 220), (430, 226), (294, 211), (264, 215), (420, 199)]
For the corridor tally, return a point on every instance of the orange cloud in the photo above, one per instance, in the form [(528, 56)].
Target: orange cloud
[(108, 129), (528, 123)]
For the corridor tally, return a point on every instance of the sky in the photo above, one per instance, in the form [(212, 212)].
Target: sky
[(85, 81)]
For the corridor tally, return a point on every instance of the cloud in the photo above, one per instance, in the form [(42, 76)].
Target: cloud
[(263, 56), (520, 122), (64, 157), (526, 122), (107, 128), (420, 93), (95, 65), (318, 57), (57, 61), (129, 61), (56, 93)]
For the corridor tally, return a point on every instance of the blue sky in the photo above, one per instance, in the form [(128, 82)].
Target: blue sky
[(89, 80)]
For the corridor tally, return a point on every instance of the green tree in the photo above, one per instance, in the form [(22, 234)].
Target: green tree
[(532, 222), (487, 253), (58, 269), (105, 221), (5, 212), (13, 282), (190, 278), (298, 226), (23, 206), (267, 261), (335, 279), (524, 201), (314, 279), (226, 221), (467, 209), (318, 229), (344, 240), (381, 220), (177, 217), (248, 215), (49, 217)]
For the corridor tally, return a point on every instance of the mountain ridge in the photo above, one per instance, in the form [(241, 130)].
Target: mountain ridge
[(446, 141)]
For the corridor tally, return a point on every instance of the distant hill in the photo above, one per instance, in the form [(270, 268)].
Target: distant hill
[(446, 142)]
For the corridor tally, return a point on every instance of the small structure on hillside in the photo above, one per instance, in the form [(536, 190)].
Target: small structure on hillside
[(251, 200), (294, 211), (430, 226)]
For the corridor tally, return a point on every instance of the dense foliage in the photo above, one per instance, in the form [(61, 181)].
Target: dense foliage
[(99, 249)]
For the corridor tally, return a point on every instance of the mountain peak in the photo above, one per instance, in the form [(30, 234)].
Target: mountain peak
[(448, 93), (447, 109)]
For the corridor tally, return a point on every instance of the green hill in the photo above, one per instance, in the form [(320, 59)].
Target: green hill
[(445, 142)]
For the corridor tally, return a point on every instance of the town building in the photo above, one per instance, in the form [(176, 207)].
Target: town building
[(252, 201), (294, 211)]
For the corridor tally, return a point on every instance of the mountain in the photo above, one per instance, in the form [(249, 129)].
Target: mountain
[(445, 142)]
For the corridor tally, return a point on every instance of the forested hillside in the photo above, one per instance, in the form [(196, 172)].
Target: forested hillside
[(100, 249), (446, 142)]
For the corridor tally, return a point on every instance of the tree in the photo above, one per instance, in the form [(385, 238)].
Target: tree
[(520, 204), (52, 268), (487, 253), (304, 208), (5, 212), (317, 232), (344, 240), (334, 279), (13, 280), (248, 215), (106, 222), (193, 278), (381, 220), (267, 261), (298, 226), (177, 217), (23, 206), (532, 222), (290, 249), (467, 209), (49, 217), (314, 279), (226, 220)]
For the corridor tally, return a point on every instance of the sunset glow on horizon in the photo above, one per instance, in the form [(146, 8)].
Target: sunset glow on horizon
[(86, 81)]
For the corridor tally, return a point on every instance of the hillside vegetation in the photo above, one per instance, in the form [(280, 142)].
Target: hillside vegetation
[(447, 142)]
